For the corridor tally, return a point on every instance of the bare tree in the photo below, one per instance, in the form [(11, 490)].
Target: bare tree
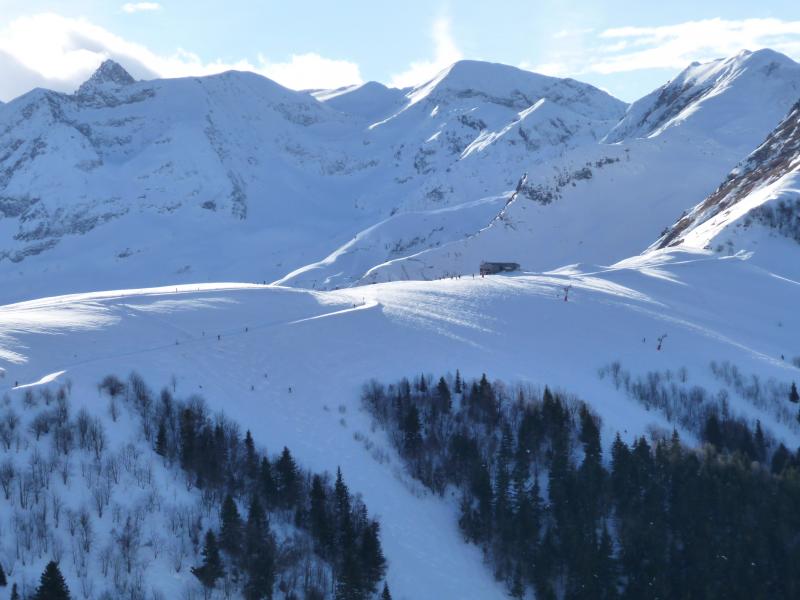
[(101, 494), (85, 533), (97, 438), (57, 502), (7, 474), (128, 541), (40, 425)]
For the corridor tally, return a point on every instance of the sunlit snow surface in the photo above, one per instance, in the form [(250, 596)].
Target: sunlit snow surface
[(243, 347)]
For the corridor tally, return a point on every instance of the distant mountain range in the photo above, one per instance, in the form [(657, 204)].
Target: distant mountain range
[(233, 177)]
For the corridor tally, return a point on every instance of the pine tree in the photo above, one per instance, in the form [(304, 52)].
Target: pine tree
[(606, 574), (251, 458), (266, 481), (188, 436), (3, 582), (444, 394), (344, 520), (371, 557), (412, 440), (231, 531), (385, 595), (458, 386), (348, 583), (288, 478), (259, 553), (794, 396), (760, 443), (318, 514), (14, 592), (211, 569), (161, 440), (52, 585)]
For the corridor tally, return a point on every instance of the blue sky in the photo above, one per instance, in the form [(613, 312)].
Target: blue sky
[(627, 48)]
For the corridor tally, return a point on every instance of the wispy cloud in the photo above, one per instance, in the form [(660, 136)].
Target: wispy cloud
[(134, 7), (60, 53), (674, 46), (626, 49), (445, 53)]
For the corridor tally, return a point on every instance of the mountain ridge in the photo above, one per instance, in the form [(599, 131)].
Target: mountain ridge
[(137, 176)]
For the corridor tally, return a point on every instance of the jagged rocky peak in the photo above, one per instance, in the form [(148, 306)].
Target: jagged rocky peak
[(108, 74)]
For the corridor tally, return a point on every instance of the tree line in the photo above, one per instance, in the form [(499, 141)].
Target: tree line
[(336, 551), (553, 515)]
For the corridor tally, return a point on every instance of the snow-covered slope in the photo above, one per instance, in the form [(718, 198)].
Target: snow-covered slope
[(244, 347), (603, 202), (233, 176), (737, 100), (757, 208), (371, 101)]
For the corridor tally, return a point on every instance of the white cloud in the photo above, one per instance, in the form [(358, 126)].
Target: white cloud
[(674, 46), (625, 49), (134, 7), (310, 70), (60, 53), (554, 69), (446, 52)]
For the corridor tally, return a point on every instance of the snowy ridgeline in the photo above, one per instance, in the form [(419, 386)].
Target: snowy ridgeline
[(557, 519), (157, 498), (126, 180)]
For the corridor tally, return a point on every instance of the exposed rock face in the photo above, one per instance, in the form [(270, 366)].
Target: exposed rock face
[(776, 157)]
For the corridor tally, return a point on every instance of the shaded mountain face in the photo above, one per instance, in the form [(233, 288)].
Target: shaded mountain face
[(233, 177), (761, 190)]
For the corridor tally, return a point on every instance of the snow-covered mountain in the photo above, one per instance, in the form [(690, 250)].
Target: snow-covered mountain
[(756, 209), (233, 176), (734, 98), (603, 202), (191, 182)]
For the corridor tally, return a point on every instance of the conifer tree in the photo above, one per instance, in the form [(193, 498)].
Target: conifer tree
[(318, 514), (231, 531), (341, 497), (794, 396), (760, 443), (211, 569), (385, 594), (161, 439), (348, 583), (188, 435), (606, 574), (458, 386), (52, 585), (288, 479), (412, 440), (267, 481), (3, 581), (250, 458), (443, 391), (371, 557), (259, 554), (14, 592)]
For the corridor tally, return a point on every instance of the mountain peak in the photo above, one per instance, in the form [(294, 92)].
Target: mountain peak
[(735, 86), (109, 73)]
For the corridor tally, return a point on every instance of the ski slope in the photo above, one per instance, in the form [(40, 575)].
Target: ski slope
[(289, 364)]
